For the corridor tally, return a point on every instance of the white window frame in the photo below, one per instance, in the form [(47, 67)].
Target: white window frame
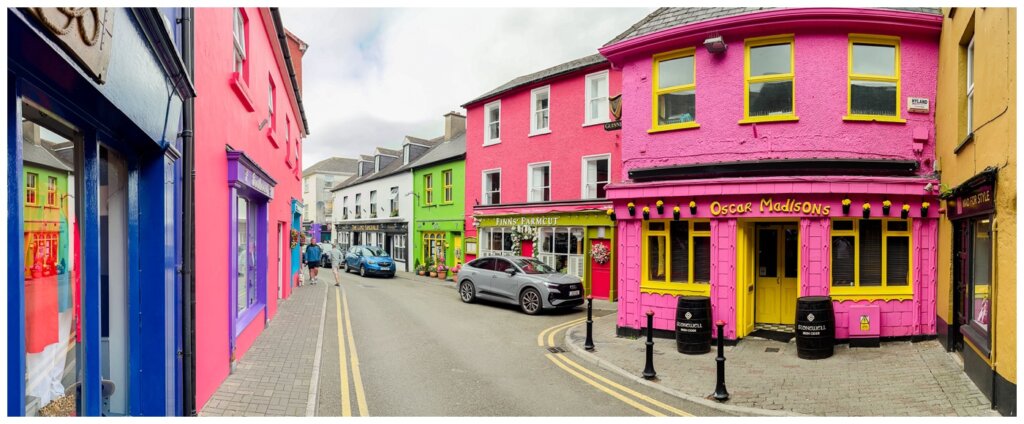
[(487, 123), (529, 181), (270, 99), (534, 94), (405, 155), (373, 203), (485, 199), (393, 202), (305, 185), (970, 87), (238, 39), (584, 192), (587, 119), (358, 206), (344, 207), (376, 164)]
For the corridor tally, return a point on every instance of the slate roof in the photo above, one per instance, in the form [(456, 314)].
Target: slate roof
[(392, 168), (551, 72), (42, 155), (389, 152), (450, 150), (334, 165), (668, 17)]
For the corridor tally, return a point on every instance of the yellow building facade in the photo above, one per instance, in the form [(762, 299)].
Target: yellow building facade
[(976, 150)]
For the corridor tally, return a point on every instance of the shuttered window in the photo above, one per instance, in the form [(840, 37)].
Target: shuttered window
[(871, 253)]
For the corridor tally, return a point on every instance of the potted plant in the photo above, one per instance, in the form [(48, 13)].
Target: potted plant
[(886, 204), (924, 209), (660, 205), (442, 272), (905, 212), (846, 206), (421, 270), (693, 207), (432, 270), (867, 210), (632, 209), (611, 214), (675, 213), (647, 213)]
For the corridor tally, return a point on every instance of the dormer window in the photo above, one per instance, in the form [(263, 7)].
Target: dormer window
[(376, 164), (360, 168), (405, 160)]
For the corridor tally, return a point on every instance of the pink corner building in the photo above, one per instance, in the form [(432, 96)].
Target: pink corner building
[(249, 129), (769, 155)]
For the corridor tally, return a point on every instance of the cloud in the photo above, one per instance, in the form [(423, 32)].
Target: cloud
[(372, 76)]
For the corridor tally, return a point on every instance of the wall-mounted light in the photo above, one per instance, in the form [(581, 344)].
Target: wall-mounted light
[(715, 44)]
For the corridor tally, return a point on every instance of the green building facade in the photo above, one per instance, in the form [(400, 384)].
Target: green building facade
[(439, 178)]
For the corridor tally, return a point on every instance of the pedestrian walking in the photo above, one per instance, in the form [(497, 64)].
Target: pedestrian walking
[(313, 257), (336, 259)]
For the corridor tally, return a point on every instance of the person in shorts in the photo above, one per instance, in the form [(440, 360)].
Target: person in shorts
[(336, 260), (313, 256)]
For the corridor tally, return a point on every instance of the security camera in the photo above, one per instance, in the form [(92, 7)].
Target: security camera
[(928, 187)]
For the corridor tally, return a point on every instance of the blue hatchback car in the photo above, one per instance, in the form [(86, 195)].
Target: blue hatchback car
[(369, 260)]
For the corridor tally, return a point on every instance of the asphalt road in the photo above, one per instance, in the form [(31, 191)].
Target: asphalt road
[(422, 352)]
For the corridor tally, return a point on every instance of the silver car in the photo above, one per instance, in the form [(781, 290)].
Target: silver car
[(519, 280)]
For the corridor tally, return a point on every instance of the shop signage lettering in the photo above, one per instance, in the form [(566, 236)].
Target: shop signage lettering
[(974, 203), (767, 205), (689, 327), (523, 220), (253, 180), (365, 228)]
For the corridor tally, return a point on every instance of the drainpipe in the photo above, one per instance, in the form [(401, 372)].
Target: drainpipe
[(992, 306), (188, 221)]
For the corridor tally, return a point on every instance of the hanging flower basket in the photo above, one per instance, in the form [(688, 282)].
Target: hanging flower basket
[(632, 209), (846, 206), (867, 210), (693, 207), (675, 213), (600, 253), (885, 207), (611, 214), (647, 213), (661, 207), (905, 211), (924, 209)]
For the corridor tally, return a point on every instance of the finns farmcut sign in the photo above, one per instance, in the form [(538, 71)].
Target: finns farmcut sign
[(769, 206)]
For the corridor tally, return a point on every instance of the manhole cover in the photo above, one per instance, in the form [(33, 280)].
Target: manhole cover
[(556, 350), (771, 349)]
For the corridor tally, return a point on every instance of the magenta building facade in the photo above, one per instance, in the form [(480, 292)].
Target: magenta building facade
[(538, 159), (249, 129), (800, 156)]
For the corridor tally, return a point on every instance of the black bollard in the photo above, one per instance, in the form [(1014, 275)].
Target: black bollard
[(721, 394), (589, 344), (649, 372)]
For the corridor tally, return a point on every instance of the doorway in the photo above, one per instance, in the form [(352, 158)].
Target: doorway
[(776, 270)]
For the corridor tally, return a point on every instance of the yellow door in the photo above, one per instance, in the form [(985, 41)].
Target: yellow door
[(776, 268), (457, 243)]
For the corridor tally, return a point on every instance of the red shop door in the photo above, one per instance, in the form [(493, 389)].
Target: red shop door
[(601, 274)]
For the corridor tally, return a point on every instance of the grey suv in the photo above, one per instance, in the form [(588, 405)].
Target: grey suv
[(519, 280)]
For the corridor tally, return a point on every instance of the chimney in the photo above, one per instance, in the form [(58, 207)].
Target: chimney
[(297, 49), (454, 124), (30, 131)]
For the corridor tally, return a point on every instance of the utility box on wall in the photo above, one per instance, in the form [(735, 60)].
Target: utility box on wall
[(865, 326)]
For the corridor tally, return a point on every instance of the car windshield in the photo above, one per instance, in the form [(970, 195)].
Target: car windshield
[(376, 251), (533, 266)]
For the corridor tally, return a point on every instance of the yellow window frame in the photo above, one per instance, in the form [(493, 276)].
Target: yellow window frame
[(447, 182), (667, 286), (883, 292), (657, 92), (876, 40), (748, 80), (430, 237), (428, 189), (32, 187), (51, 191)]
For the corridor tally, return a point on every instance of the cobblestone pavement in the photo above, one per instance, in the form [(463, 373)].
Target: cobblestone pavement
[(897, 379), (275, 375)]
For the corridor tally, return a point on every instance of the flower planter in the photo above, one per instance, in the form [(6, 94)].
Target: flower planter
[(422, 273), (846, 209), (647, 214), (612, 216), (433, 274), (867, 213), (661, 209), (904, 213), (632, 210), (924, 212), (675, 214)]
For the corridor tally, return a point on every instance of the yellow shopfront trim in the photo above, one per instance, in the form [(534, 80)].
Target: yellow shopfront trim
[(876, 40), (884, 291), (657, 92), (666, 286), (748, 79)]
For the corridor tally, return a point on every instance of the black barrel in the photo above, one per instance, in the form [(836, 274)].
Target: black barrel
[(815, 327), (693, 325)]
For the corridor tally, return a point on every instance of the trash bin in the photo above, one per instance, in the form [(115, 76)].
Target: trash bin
[(815, 327), (693, 324)]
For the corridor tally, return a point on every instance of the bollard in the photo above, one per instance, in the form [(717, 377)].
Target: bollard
[(649, 372), (721, 394), (589, 344)]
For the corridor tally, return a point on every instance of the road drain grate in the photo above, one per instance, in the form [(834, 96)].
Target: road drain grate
[(556, 350), (771, 349)]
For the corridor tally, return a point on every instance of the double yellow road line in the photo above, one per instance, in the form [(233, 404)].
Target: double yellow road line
[(357, 380), (628, 396)]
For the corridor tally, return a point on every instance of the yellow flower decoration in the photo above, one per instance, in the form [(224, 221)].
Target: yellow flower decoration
[(846, 202), (675, 209), (659, 203), (693, 204), (647, 209), (867, 205), (886, 203), (609, 211), (906, 207), (630, 205), (925, 205)]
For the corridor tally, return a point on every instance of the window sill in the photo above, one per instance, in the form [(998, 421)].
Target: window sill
[(242, 91), (243, 320), (272, 136), (673, 127), (870, 118), (764, 119), (960, 146), (854, 294), (539, 132), (977, 339), (492, 142), (676, 289), (592, 123)]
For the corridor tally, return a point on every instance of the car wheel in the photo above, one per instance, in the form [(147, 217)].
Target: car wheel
[(467, 292), (529, 301), (362, 270)]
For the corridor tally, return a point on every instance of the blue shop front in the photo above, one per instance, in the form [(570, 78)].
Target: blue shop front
[(94, 100)]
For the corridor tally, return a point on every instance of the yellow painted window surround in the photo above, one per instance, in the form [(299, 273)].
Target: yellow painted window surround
[(874, 76), (884, 291), (679, 84), (749, 80), (648, 284), (428, 189), (447, 180), (31, 185)]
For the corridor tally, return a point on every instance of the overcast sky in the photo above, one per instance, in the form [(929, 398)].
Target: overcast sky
[(372, 76)]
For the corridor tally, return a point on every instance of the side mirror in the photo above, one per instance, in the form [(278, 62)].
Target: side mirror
[(510, 271)]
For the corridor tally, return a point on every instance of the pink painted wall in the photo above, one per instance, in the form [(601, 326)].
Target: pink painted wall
[(565, 146), (223, 119), (820, 47)]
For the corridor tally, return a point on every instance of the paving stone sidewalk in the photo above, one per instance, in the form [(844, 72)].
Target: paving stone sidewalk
[(897, 379), (274, 376)]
